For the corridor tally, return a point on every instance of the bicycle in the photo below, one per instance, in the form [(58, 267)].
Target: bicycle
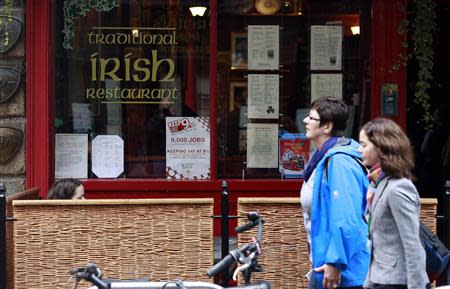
[(247, 256)]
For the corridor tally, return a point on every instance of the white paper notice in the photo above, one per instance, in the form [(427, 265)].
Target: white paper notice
[(326, 85), (263, 47), (263, 95), (326, 47), (107, 156), (71, 156), (262, 145), (187, 148)]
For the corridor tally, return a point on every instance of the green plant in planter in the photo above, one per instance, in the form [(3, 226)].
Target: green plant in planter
[(422, 28), (422, 37)]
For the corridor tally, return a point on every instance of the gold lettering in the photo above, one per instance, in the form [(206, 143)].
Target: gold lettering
[(116, 92), (138, 68), (173, 95), (125, 93), (94, 66), (136, 39), (138, 96), (99, 38), (100, 93), (103, 72), (158, 95), (166, 93), (157, 63), (109, 93), (147, 39), (169, 39), (157, 39), (145, 93), (174, 38), (143, 37), (90, 93), (90, 34), (132, 93), (127, 66), (110, 39), (122, 38)]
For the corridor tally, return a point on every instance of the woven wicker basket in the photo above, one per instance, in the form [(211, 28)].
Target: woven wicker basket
[(158, 239)]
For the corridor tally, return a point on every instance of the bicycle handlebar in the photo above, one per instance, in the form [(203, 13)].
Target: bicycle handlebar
[(222, 265), (229, 259), (254, 219), (245, 227), (247, 254), (92, 274)]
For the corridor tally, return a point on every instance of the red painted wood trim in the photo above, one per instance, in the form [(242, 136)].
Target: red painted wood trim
[(386, 45), (39, 114), (212, 81), (110, 185)]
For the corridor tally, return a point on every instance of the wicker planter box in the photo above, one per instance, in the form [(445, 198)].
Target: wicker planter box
[(285, 255), (161, 239)]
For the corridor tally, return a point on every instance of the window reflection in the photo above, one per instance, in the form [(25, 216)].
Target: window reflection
[(294, 19), (129, 68)]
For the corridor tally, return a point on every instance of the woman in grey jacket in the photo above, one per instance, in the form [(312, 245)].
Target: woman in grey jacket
[(393, 207)]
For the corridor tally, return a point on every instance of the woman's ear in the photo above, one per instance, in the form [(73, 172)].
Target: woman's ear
[(328, 128)]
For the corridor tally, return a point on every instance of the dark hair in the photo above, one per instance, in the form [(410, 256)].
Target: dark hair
[(334, 110), (394, 148), (63, 189)]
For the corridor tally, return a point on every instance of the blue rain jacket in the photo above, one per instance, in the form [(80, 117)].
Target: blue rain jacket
[(338, 227)]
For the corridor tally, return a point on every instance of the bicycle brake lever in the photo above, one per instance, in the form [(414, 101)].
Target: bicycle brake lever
[(246, 261), (239, 269), (77, 272)]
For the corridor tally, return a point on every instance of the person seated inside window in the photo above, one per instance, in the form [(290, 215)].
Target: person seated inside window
[(66, 189)]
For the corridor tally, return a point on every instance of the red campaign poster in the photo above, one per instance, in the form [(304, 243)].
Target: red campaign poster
[(294, 154)]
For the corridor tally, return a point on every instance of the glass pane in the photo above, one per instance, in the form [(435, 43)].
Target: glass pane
[(122, 67), (245, 54)]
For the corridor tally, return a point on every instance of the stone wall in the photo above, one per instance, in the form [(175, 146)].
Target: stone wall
[(12, 95)]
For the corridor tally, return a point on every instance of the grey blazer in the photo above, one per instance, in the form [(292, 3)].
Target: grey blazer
[(397, 253)]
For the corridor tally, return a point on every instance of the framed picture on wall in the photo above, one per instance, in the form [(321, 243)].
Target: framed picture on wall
[(239, 55), (238, 95)]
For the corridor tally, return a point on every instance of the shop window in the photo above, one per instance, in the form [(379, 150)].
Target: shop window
[(273, 58), (122, 68)]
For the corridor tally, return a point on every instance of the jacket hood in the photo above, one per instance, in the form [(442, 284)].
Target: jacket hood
[(345, 145)]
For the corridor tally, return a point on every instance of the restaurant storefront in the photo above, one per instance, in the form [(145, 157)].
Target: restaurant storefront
[(142, 99)]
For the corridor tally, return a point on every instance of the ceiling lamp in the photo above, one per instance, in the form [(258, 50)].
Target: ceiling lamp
[(355, 30), (197, 10)]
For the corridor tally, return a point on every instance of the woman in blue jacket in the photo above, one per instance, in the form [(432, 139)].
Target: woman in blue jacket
[(333, 199)]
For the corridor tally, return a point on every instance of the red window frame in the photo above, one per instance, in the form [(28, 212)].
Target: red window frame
[(385, 46)]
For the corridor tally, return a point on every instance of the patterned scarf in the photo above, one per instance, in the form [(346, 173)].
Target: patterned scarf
[(318, 155), (375, 176)]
